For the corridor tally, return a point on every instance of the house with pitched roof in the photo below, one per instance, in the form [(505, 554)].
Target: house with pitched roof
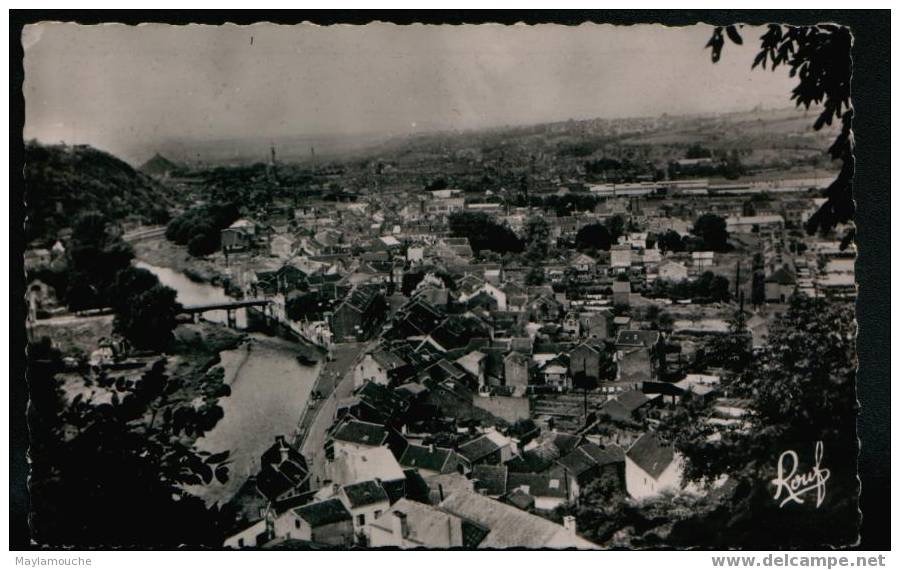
[(589, 462), (366, 501), (651, 468), (490, 480), (780, 285), (350, 467), (491, 448), (586, 358), (381, 366), (326, 522), (359, 315), (429, 460), (409, 524), (549, 489), (283, 473), (353, 434), (510, 527), (624, 406), (517, 371)]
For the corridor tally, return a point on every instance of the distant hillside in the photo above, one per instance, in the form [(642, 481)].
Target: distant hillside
[(158, 166), (63, 181)]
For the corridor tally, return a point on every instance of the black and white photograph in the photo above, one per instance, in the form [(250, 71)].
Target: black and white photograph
[(380, 286)]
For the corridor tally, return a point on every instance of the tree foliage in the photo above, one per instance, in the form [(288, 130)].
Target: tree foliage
[(799, 389), (712, 229), (819, 56), (147, 318), (96, 255), (110, 469), (708, 288), (671, 241), (200, 227), (593, 237), (484, 233), (537, 237), (61, 181)]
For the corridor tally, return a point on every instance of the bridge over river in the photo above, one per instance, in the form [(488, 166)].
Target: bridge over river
[(230, 307)]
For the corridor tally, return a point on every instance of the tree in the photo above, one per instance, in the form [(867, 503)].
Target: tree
[(593, 236), (483, 232), (671, 241), (712, 229), (537, 237), (731, 351), (200, 227), (148, 318), (616, 227), (800, 389), (95, 256), (819, 57), (697, 151), (131, 282), (758, 289), (711, 287), (535, 276), (97, 461)]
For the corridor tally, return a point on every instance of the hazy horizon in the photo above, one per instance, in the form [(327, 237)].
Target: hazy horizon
[(129, 90)]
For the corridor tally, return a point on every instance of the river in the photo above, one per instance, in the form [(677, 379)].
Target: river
[(193, 293), (269, 390)]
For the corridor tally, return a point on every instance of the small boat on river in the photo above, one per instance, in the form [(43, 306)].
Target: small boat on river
[(307, 360)]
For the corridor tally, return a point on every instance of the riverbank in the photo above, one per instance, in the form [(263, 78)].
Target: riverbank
[(269, 389), (163, 253)]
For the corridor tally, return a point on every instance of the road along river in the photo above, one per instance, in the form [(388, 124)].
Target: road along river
[(269, 390)]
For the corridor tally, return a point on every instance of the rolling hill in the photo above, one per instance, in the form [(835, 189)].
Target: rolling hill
[(63, 181)]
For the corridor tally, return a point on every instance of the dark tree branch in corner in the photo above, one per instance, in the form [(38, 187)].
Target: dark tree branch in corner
[(820, 57)]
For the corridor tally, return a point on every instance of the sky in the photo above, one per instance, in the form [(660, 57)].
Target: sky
[(119, 87)]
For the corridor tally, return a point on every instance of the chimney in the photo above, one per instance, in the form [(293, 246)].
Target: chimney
[(569, 523), (441, 492), (282, 447), (431, 448), (400, 525)]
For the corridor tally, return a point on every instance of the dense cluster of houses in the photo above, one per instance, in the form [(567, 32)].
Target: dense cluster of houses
[(485, 402)]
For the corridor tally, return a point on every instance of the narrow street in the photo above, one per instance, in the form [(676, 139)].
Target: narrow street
[(336, 380)]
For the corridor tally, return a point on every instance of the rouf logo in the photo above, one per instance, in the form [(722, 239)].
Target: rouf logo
[(792, 486)]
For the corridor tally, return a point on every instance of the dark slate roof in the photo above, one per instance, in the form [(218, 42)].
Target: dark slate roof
[(651, 455), (490, 478), (443, 370), (281, 469), (425, 457), (478, 448), (456, 331), (632, 399), (361, 433), (782, 276), (564, 442), (588, 455), (323, 513), (388, 360), (416, 487), (577, 462), (381, 398), (418, 317), (520, 500), (365, 493), (538, 484), (604, 456), (637, 338), (473, 534)]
